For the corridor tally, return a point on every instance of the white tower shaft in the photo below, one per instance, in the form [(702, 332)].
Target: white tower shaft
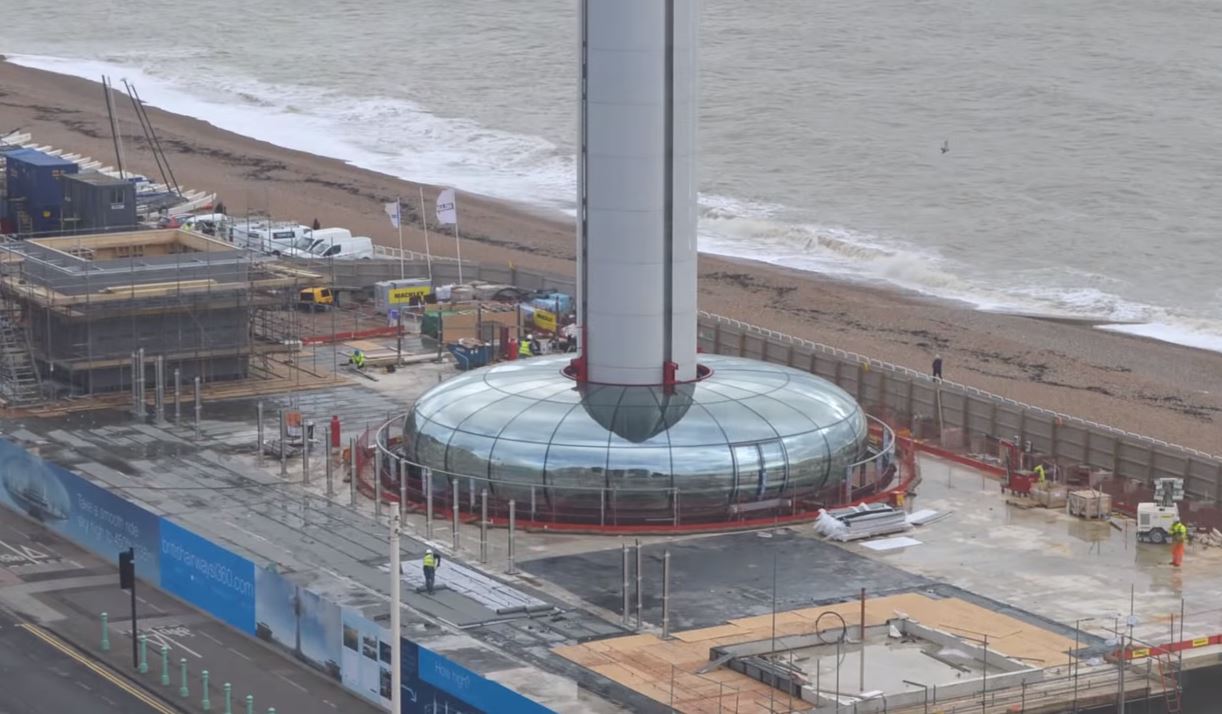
[(637, 191)]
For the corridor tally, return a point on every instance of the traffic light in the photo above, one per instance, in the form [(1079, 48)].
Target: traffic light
[(127, 569)]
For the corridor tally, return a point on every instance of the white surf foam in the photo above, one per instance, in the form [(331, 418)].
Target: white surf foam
[(402, 139), (1204, 339), (390, 135)]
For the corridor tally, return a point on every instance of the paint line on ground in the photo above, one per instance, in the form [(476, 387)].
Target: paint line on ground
[(238, 654), (99, 669), (292, 683)]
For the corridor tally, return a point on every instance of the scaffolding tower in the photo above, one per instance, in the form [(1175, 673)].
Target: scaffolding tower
[(83, 305)]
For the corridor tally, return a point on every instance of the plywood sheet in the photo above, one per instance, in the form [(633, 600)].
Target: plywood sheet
[(648, 664)]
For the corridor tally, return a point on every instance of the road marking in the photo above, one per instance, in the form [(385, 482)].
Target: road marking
[(21, 555), (291, 682), (82, 685), (238, 654), (205, 634), (98, 669), (159, 636)]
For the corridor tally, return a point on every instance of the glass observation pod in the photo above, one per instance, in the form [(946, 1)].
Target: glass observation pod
[(749, 438)]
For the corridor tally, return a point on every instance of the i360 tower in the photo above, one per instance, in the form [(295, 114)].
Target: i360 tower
[(639, 428), (636, 203)]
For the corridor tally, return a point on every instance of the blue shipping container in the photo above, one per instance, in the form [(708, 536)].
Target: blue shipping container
[(34, 189)]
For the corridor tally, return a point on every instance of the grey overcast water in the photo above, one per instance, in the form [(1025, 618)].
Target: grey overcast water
[(1085, 136)]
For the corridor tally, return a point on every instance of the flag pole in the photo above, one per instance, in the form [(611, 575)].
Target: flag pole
[(399, 221), (424, 221), (457, 241)]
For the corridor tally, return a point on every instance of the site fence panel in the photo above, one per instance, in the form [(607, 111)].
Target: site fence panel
[(1071, 443), (909, 399)]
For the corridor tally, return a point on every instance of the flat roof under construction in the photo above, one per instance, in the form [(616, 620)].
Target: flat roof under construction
[(102, 247), (120, 266)]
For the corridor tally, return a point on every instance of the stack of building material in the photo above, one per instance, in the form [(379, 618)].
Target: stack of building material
[(1210, 539), (926, 516), (1090, 504), (1050, 495), (864, 521)]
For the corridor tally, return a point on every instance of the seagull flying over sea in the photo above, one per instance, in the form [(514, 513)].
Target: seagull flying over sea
[(946, 146)]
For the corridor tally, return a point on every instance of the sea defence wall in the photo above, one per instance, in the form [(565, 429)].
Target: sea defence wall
[(338, 641), (904, 397)]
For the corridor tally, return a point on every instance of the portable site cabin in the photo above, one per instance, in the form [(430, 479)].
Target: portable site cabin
[(35, 191), (97, 203)]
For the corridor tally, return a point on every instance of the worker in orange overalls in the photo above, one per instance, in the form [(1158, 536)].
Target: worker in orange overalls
[(1179, 535)]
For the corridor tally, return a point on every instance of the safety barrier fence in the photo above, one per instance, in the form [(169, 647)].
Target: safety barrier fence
[(972, 417), (338, 641)]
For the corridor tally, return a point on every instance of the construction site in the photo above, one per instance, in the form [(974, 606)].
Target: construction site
[(472, 488), (76, 310), (927, 567)]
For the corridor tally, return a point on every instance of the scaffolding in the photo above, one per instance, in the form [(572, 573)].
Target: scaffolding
[(87, 303)]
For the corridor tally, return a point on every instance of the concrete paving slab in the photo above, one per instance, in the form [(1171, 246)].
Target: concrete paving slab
[(719, 578), (1059, 567)]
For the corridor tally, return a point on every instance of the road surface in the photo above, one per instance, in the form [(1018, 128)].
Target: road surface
[(44, 675)]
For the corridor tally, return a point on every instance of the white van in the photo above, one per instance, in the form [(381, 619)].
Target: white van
[(319, 240), (274, 239), (342, 248)]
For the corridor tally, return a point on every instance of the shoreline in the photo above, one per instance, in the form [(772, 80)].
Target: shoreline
[(1134, 382), (282, 132)]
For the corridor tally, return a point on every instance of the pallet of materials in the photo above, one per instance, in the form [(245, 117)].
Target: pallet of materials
[(864, 521), (1090, 504), (1050, 495)]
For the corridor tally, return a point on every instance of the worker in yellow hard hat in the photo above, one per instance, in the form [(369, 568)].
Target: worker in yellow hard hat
[(1041, 474), (1179, 536)]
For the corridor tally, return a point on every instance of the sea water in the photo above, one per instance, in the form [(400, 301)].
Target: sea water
[(1084, 138)]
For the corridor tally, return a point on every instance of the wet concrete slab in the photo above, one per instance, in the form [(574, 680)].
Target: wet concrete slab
[(1062, 568), (719, 578)]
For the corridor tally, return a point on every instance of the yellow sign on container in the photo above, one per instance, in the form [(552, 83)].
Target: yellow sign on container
[(545, 320), (1201, 642), (1140, 653), (399, 296)]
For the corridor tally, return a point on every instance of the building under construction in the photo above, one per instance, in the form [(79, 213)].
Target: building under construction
[(77, 309)]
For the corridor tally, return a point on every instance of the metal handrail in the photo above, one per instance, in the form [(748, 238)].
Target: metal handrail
[(391, 252)]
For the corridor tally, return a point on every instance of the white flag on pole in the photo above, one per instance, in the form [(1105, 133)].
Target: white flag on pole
[(447, 212), (392, 210)]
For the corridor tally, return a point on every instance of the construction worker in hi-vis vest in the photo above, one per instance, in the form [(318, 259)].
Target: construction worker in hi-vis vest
[(1179, 535), (431, 562)]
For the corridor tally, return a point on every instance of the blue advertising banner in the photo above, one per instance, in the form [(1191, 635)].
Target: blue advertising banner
[(422, 698), (208, 576), (70, 505), (298, 620), (479, 694)]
